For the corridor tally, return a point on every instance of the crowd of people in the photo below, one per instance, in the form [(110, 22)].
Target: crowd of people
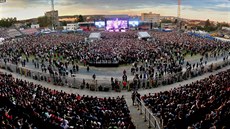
[(60, 54), (66, 49), (3, 33), (44, 50), (25, 105), (203, 104), (168, 57), (120, 47)]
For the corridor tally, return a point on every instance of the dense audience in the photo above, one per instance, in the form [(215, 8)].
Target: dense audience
[(122, 47), (204, 104), (193, 44), (3, 33), (62, 50), (59, 54), (25, 105)]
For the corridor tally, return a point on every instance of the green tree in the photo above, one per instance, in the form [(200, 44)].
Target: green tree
[(80, 18), (166, 21), (44, 21), (207, 23), (7, 22), (28, 24), (209, 27), (224, 24), (199, 28), (63, 23)]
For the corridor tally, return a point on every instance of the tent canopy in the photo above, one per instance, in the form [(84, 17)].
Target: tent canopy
[(1, 40), (143, 35), (95, 35)]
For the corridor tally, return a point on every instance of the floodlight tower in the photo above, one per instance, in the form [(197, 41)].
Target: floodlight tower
[(52, 7), (178, 11), (178, 15)]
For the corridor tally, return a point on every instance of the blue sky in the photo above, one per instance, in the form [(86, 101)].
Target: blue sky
[(217, 10)]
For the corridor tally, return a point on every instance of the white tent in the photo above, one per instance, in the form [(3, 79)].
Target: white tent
[(1, 40), (142, 35), (95, 35)]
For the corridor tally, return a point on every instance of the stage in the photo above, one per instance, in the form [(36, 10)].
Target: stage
[(103, 64)]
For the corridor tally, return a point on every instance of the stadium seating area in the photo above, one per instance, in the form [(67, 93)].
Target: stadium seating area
[(26, 105), (204, 104)]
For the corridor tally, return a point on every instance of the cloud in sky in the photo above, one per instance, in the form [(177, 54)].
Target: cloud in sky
[(215, 9), (223, 5)]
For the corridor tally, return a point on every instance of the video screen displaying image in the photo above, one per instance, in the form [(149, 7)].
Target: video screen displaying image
[(133, 23), (100, 24), (116, 24)]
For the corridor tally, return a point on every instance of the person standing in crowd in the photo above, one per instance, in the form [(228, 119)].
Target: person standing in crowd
[(94, 76), (87, 68)]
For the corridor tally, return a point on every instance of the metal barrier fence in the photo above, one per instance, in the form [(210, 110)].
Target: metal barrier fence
[(41, 76), (152, 120), (75, 82), (181, 76)]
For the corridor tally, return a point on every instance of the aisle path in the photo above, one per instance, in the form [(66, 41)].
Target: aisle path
[(137, 118), (126, 94), (103, 75), (117, 72)]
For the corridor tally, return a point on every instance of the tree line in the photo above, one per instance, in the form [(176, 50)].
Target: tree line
[(7, 22), (209, 27)]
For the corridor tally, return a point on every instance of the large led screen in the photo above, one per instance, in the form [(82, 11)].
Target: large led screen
[(133, 23), (100, 24), (116, 24)]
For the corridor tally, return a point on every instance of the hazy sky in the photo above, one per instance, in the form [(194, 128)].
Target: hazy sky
[(217, 10)]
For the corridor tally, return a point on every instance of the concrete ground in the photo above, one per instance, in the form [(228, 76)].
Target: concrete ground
[(103, 73)]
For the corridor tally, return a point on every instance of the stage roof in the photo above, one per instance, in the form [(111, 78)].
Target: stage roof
[(95, 35), (143, 35)]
